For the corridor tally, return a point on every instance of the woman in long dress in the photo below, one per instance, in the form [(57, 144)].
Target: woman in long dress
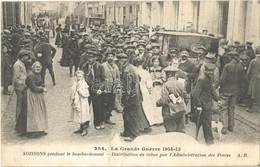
[(146, 87), (79, 103), (33, 117), (157, 76)]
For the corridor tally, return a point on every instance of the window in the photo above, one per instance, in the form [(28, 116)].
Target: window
[(130, 9)]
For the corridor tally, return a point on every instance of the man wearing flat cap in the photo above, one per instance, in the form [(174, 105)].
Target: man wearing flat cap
[(190, 69), (173, 54), (111, 83), (133, 114), (231, 79), (73, 54), (141, 44), (203, 96), (253, 75), (250, 50), (173, 101), (95, 78), (242, 94), (19, 77), (201, 53)]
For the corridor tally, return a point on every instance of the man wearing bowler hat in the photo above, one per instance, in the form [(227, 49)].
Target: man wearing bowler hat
[(231, 78)]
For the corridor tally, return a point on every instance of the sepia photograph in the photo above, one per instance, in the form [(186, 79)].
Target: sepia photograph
[(130, 83)]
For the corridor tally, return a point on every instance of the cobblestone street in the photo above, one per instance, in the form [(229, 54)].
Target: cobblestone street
[(61, 131)]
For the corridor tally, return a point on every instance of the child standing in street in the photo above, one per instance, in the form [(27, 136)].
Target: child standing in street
[(79, 103)]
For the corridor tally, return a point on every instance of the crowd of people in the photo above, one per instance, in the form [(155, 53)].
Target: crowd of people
[(124, 69)]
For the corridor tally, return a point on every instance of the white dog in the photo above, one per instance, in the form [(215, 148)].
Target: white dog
[(217, 125)]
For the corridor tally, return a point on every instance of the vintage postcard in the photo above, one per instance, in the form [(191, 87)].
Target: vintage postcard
[(130, 83)]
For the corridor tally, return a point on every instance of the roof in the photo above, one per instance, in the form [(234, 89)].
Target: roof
[(178, 33)]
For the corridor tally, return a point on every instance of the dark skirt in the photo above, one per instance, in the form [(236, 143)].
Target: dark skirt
[(131, 120)]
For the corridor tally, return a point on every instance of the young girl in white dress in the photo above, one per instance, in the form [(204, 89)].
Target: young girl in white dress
[(79, 103)]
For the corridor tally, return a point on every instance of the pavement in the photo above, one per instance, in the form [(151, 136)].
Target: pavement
[(61, 131)]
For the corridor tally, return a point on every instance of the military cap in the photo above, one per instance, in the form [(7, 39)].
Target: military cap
[(26, 41), (110, 52), (233, 53), (257, 51), (184, 49), (119, 45), (122, 56), (174, 50), (202, 47), (155, 45), (171, 69), (211, 56), (23, 53), (243, 56), (210, 66)]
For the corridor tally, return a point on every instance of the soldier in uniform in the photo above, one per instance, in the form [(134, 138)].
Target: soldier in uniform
[(173, 101)]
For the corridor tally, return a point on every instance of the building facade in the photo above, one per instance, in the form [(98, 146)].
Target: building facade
[(125, 13), (14, 13), (236, 20)]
